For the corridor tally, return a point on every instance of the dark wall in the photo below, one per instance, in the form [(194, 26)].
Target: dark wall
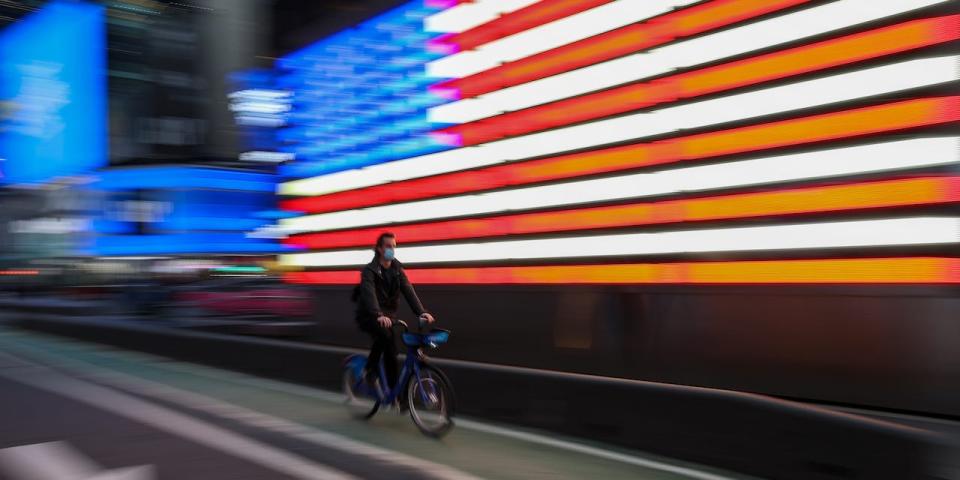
[(887, 347)]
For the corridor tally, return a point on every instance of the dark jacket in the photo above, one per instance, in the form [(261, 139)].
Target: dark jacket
[(379, 292)]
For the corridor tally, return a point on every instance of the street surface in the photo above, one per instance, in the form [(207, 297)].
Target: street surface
[(79, 410)]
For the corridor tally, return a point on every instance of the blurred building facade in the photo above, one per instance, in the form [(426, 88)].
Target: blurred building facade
[(169, 68), (154, 78)]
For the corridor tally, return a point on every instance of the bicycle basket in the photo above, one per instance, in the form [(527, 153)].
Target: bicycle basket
[(435, 337)]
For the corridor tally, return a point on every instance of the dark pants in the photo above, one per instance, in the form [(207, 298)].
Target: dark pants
[(384, 346)]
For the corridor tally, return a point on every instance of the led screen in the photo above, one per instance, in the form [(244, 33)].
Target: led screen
[(52, 91), (621, 142), (175, 210)]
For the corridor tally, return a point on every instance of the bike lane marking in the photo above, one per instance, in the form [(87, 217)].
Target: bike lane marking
[(60, 461), (264, 421), (169, 421)]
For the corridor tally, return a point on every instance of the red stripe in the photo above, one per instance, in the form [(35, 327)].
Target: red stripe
[(682, 23), (539, 13), (751, 71), (854, 271), (860, 196), (845, 124)]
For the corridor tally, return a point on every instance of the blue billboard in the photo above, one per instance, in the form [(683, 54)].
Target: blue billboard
[(172, 210), (53, 116)]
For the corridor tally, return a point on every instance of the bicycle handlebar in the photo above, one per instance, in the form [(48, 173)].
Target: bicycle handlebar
[(401, 322)]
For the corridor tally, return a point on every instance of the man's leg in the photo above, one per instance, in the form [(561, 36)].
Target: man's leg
[(390, 358), (384, 346), (376, 351)]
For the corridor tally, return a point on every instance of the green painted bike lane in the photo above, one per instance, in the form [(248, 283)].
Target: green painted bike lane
[(472, 447)]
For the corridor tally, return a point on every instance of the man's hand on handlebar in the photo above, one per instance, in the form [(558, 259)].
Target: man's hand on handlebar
[(387, 322)]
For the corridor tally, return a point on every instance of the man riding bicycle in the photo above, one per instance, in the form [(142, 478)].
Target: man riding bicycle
[(381, 283)]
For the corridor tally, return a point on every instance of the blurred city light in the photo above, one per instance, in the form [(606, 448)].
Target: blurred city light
[(723, 233)]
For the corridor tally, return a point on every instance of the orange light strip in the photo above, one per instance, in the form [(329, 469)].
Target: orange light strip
[(616, 43), (870, 195), (908, 270), (751, 71), (19, 272), (539, 13), (845, 124)]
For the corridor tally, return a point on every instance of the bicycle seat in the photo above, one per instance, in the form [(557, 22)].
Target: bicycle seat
[(433, 338)]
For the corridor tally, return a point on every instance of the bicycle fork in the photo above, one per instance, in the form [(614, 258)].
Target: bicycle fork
[(426, 390)]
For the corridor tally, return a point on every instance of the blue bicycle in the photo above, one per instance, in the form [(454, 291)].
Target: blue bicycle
[(421, 387)]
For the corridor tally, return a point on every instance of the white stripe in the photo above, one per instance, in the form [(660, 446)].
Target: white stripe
[(465, 16), (751, 37), (50, 461), (898, 155), (555, 34), (837, 88), (60, 461), (862, 233), (177, 424)]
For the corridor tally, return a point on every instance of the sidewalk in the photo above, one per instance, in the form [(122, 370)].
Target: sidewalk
[(114, 311), (51, 303)]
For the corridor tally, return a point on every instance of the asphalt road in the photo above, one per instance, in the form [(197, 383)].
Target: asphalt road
[(78, 410), (33, 416)]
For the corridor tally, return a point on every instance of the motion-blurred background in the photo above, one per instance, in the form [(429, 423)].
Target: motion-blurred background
[(753, 196)]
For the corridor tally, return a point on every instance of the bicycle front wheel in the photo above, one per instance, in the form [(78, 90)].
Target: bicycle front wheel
[(431, 402), (360, 403)]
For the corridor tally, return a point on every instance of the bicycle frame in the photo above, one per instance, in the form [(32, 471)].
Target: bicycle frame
[(411, 366)]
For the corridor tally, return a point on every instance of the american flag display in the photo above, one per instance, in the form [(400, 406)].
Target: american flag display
[(631, 142)]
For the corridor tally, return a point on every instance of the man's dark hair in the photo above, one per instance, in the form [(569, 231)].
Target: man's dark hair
[(383, 236)]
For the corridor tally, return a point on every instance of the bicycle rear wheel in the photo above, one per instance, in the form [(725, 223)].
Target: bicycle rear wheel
[(359, 401), (431, 402)]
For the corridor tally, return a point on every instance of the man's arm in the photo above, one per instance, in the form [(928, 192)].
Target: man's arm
[(368, 294), (410, 294)]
